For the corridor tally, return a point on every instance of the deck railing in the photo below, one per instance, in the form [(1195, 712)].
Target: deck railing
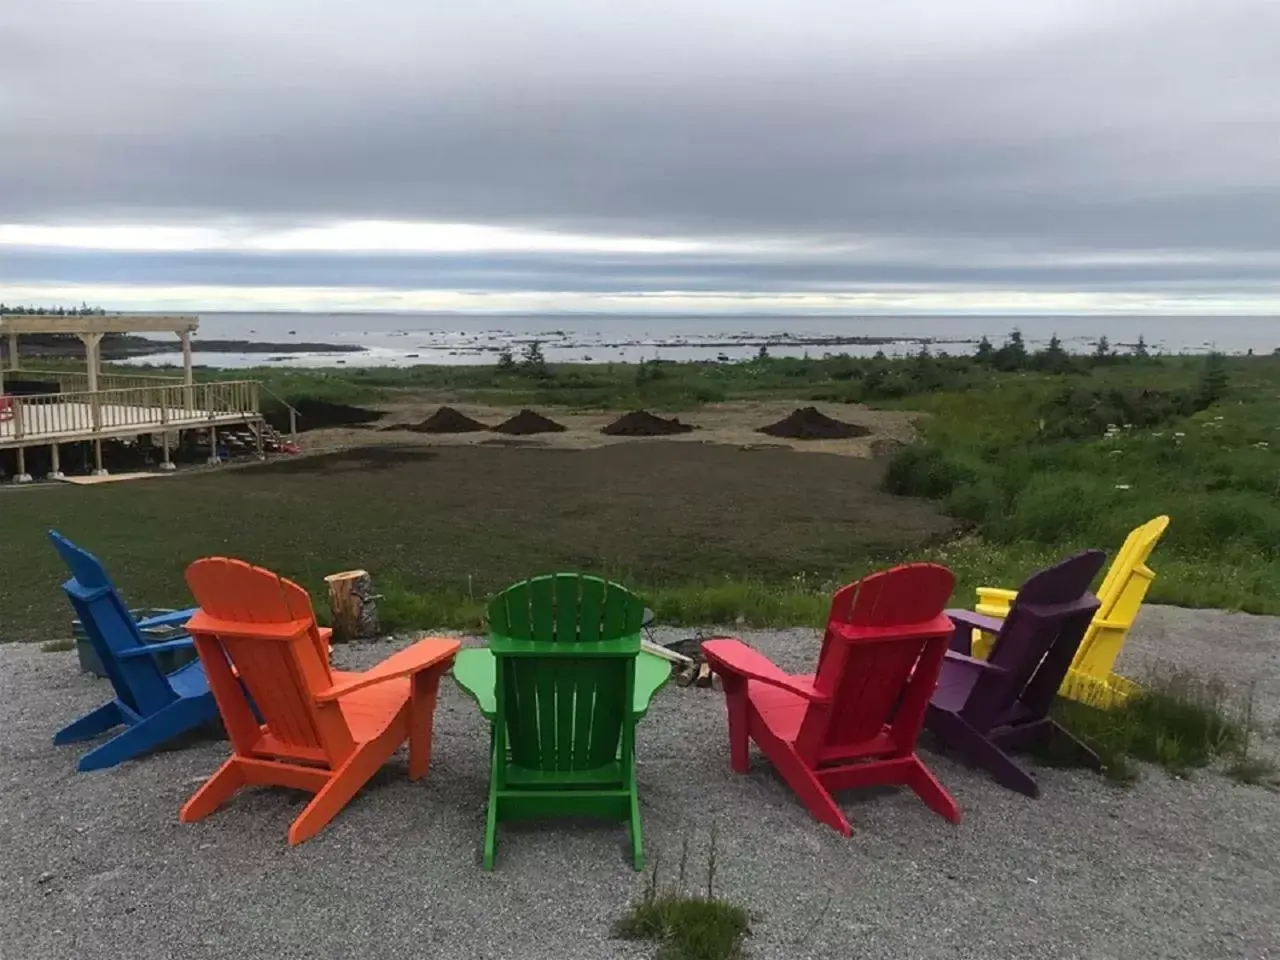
[(88, 412), (72, 381)]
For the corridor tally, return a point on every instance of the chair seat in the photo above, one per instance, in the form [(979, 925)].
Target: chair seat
[(370, 710), (189, 680), (781, 710), (955, 683)]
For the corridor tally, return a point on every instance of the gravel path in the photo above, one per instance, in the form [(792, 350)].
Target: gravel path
[(97, 865)]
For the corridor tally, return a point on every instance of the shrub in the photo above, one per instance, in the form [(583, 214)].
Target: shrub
[(927, 471)]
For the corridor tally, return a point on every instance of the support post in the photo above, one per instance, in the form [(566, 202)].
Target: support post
[(213, 447), (165, 463), (55, 472), (98, 471), (13, 351), (92, 342), (185, 337), (257, 439), (22, 476)]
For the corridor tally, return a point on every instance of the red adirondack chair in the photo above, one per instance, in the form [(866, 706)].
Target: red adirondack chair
[(323, 730), (854, 722)]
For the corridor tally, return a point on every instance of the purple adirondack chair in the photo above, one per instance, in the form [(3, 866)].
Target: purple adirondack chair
[(985, 708)]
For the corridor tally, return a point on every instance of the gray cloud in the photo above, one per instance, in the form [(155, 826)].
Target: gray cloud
[(974, 125)]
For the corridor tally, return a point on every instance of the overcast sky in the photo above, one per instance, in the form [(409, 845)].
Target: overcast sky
[(741, 154)]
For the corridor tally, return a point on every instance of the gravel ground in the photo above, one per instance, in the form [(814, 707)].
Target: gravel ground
[(98, 866)]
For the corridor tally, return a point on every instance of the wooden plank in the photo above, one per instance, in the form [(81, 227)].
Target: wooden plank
[(18, 323)]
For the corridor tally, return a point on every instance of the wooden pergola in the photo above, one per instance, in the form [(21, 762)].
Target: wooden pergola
[(93, 406), (91, 330)]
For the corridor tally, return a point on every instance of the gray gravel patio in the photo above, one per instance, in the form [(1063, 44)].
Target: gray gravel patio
[(98, 866)]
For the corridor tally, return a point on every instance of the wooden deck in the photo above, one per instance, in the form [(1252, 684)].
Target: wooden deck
[(101, 414)]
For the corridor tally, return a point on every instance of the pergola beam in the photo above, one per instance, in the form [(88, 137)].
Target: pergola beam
[(17, 323)]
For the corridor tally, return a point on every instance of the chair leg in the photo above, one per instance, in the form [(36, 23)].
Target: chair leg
[(739, 746), (979, 749), (216, 791), (491, 833), (637, 838), (934, 795), (143, 737), (810, 791), (422, 713), (339, 791), (91, 724), (491, 812)]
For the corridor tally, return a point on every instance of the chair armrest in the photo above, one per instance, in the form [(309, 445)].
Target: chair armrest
[(961, 660), (730, 656), (176, 619), (1100, 623), (426, 653), (148, 649), (975, 621), (996, 595), (326, 633)]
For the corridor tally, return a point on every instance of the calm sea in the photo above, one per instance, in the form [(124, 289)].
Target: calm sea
[(403, 339)]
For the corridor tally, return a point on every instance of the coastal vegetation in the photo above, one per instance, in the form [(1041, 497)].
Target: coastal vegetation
[(1023, 456)]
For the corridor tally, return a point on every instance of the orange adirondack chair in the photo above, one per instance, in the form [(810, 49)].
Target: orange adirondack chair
[(854, 722), (325, 731)]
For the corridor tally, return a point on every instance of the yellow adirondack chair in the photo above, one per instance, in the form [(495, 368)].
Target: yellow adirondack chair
[(1092, 678)]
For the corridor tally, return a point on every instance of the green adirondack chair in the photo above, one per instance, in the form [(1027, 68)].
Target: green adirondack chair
[(563, 683)]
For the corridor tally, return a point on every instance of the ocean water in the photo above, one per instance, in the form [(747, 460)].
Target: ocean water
[(405, 339)]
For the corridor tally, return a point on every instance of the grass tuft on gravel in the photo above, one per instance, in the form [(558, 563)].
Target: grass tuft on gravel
[(1180, 721), (688, 927)]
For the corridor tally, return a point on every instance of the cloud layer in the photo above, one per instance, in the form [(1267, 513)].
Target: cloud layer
[(1065, 147)]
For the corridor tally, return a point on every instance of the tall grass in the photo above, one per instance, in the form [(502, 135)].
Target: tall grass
[(1001, 462)]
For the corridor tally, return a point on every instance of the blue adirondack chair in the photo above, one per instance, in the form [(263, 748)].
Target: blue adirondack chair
[(154, 707)]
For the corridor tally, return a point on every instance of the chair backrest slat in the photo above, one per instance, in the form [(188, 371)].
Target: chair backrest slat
[(111, 630), (565, 712), (1037, 642), (283, 670), (885, 634)]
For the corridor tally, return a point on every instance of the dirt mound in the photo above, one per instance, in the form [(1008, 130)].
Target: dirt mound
[(316, 414), (529, 421), (642, 423), (809, 423), (447, 420)]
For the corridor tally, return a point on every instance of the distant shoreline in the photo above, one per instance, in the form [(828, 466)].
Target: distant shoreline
[(127, 346)]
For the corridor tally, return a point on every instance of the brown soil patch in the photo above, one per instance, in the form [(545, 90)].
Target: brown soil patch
[(528, 422), (809, 423), (642, 423), (448, 420), (731, 424), (319, 414)]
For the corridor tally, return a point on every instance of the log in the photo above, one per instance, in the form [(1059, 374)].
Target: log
[(354, 605)]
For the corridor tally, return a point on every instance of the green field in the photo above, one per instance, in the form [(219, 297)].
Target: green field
[(1022, 459)]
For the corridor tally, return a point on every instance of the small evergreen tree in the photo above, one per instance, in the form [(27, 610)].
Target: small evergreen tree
[(1053, 358), (1213, 381), (1012, 354), (763, 352), (506, 362), (1102, 351), (532, 360), (985, 351), (1140, 348)]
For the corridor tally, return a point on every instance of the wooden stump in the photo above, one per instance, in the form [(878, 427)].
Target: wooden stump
[(354, 605)]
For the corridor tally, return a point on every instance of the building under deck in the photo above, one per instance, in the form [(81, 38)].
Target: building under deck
[(93, 406)]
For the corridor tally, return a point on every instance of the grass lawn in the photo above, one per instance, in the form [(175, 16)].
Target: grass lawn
[(707, 533)]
